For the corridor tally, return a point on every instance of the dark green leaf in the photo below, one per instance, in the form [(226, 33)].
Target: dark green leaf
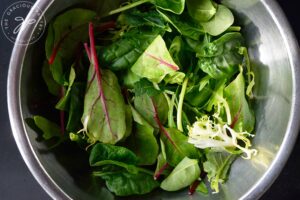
[(53, 86), (124, 183), (123, 53), (145, 87), (102, 152), (142, 141), (177, 147)]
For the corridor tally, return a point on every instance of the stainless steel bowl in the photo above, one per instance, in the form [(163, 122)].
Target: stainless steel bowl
[(275, 56)]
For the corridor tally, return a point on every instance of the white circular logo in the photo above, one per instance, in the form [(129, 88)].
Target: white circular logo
[(15, 16)]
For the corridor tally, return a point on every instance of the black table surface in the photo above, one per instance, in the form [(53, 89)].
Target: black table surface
[(16, 182)]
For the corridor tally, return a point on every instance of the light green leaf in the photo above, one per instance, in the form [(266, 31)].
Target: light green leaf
[(201, 10), (49, 128), (184, 174), (222, 20), (156, 62)]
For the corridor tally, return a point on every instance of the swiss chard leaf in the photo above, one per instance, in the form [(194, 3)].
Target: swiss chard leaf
[(242, 115), (183, 175), (104, 119), (65, 34), (123, 183), (49, 128), (102, 152), (221, 58), (156, 62), (162, 167), (177, 146), (123, 53), (144, 105), (142, 141), (221, 21), (217, 167), (201, 10)]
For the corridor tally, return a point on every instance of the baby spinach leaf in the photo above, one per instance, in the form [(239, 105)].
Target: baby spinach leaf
[(129, 79), (221, 58), (144, 105), (144, 86), (156, 62), (136, 18), (104, 119), (175, 6), (184, 24), (222, 20), (201, 10), (75, 107), (124, 183), (62, 104), (123, 53), (53, 86), (184, 174), (242, 115), (102, 152), (177, 146), (217, 168), (142, 141), (49, 128), (198, 95)]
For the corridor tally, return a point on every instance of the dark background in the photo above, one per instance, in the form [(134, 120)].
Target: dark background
[(16, 182)]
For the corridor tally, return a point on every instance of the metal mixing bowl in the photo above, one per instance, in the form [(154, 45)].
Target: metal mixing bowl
[(275, 56)]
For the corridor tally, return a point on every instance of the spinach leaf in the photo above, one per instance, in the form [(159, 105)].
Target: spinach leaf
[(156, 62), (175, 6), (49, 128), (123, 183), (221, 58), (222, 20), (217, 168), (75, 107), (123, 53), (184, 24), (144, 105), (201, 10), (177, 147), (136, 18), (53, 86), (65, 34), (198, 95), (184, 174), (62, 104), (129, 79), (242, 115), (102, 152), (142, 141), (144, 86)]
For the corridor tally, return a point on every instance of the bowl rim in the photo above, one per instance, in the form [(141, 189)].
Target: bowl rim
[(54, 191)]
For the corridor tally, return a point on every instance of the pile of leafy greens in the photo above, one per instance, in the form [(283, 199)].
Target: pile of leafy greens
[(158, 92)]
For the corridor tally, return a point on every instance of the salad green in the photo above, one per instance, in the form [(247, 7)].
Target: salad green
[(158, 93)]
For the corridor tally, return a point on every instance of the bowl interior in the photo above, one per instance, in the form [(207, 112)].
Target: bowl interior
[(274, 93)]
